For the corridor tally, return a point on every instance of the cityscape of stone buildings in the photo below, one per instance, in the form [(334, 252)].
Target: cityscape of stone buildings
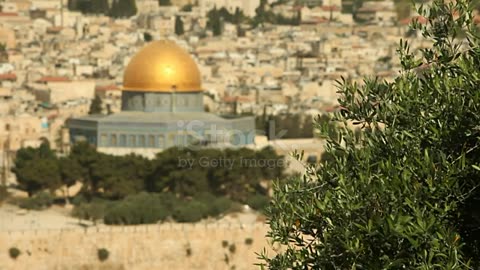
[(53, 61)]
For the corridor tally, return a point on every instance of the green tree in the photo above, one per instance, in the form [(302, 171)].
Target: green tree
[(123, 8), (236, 180), (119, 177), (142, 208), (86, 156), (3, 53), (238, 16), (187, 8), (404, 195), (114, 9), (70, 173), (164, 2), (108, 176), (215, 22), (240, 31), (147, 37), (99, 6), (72, 5), (179, 30), (96, 105), (89, 6), (263, 15), (132, 8), (37, 169)]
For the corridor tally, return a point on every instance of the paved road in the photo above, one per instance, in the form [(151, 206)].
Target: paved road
[(13, 218)]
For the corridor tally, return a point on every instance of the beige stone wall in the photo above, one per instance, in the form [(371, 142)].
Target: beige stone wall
[(64, 91), (149, 153), (136, 247), (7, 37)]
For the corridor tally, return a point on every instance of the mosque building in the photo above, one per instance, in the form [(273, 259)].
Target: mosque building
[(162, 107)]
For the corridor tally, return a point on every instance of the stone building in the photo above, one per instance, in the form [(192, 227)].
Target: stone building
[(55, 90), (162, 107)]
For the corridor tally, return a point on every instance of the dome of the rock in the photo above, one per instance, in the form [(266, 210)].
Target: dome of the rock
[(162, 66)]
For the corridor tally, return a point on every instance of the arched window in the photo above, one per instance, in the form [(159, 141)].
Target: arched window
[(151, 141), (141, 140), (161, 141), (123, 140), (103, 140), (113, 140), (132, 141)]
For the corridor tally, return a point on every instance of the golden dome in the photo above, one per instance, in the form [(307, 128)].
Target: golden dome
[(162, 66)]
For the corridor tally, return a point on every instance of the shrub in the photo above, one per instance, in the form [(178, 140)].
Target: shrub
[(39, 201), (14, 253), (226, 259), (144, 208), (191, 211), (236, 207), (219, 206), (216, 205), (258, 202), (103, 254), (248, 241), (90, 211), (79, 199), (168, 199), (232, 248), (119, 213), (224, 243)]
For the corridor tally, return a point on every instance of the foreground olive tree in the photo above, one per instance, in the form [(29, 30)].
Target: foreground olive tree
[(404, 194)]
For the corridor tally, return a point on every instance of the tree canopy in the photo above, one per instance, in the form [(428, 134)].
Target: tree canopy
[(118, 8), (215, 22), (37, 169), (164, 2), (182, 172), (123, 8), (89, 6), (264, 15), (404, 194)]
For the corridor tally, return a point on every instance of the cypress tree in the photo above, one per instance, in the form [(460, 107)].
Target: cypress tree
[(84, 6), (215, 22), (237, 17), (103, 6), (179, 28), (114, 9), (98, 6), (131, 8), (123, 8), (96, 106), (164, 3), (72, 5)]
